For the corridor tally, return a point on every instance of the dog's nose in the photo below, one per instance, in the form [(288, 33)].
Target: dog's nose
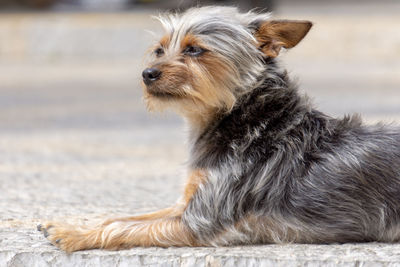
[(150, 75)]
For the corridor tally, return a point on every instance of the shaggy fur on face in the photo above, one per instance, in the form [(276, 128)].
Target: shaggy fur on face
[(265, 166), (232, 59)]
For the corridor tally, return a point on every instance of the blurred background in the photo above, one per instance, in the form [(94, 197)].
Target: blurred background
[(76, 64), (75, 133)]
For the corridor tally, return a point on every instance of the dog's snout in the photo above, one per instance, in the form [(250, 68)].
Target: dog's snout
[(150, 75)]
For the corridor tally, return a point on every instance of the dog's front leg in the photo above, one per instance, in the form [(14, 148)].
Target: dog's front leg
[(164, 213), (161, 228), (120, 235)]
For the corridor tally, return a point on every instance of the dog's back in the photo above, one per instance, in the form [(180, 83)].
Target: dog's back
[(278, 164)]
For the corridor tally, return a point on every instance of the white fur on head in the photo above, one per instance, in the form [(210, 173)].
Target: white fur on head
[(226, 32)]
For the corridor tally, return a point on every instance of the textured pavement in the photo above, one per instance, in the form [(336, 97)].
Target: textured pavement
[(77, 144)]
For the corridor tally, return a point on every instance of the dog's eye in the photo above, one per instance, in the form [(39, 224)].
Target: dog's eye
[(193, 51), (159, 52)]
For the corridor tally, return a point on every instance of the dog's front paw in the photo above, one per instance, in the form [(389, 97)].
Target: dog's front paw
[(69, 237)]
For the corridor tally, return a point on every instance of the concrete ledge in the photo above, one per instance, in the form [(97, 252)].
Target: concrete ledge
[(43, 254)]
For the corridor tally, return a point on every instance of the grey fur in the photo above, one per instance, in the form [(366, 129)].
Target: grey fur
[(227, 31), (279, 170)]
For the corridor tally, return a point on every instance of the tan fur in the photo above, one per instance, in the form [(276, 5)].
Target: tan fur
[(199, 87), (118, 235), (190, 40), (164, 213), (163, 233), (165, 40), (174, 73), (275, 34), (162, 228), (196, 178)]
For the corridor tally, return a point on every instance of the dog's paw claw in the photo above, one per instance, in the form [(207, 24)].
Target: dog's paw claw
[(45, 233), (66, 237)]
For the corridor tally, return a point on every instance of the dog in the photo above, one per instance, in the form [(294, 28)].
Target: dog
[(265, 166)]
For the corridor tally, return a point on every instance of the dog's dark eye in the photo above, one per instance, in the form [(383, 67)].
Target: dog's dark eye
[(193, 51), (159, 52)]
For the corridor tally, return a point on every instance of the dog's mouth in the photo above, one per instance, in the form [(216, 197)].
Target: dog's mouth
[(162, 94)]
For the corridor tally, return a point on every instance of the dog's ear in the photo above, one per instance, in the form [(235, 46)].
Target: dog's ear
[(275, 34)]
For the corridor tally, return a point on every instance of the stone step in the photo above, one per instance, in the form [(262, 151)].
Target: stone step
[(348, 255)]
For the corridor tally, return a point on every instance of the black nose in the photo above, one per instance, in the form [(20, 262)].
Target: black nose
[(150, 75)]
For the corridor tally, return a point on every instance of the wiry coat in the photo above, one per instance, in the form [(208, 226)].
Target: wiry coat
[(281, 171), (264, 166)]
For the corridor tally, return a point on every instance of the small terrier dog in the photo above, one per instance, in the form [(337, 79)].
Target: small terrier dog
[(265, 166)]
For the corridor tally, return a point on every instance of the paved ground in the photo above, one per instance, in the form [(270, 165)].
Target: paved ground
[(76, 143)]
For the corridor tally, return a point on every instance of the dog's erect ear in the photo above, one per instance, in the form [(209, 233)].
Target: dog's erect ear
[(275, 34)]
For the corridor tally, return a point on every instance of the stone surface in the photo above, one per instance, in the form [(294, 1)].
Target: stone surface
[(253, 256), (77, 144)]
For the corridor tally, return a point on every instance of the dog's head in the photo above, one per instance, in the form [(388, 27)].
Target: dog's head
[(210, 55)]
